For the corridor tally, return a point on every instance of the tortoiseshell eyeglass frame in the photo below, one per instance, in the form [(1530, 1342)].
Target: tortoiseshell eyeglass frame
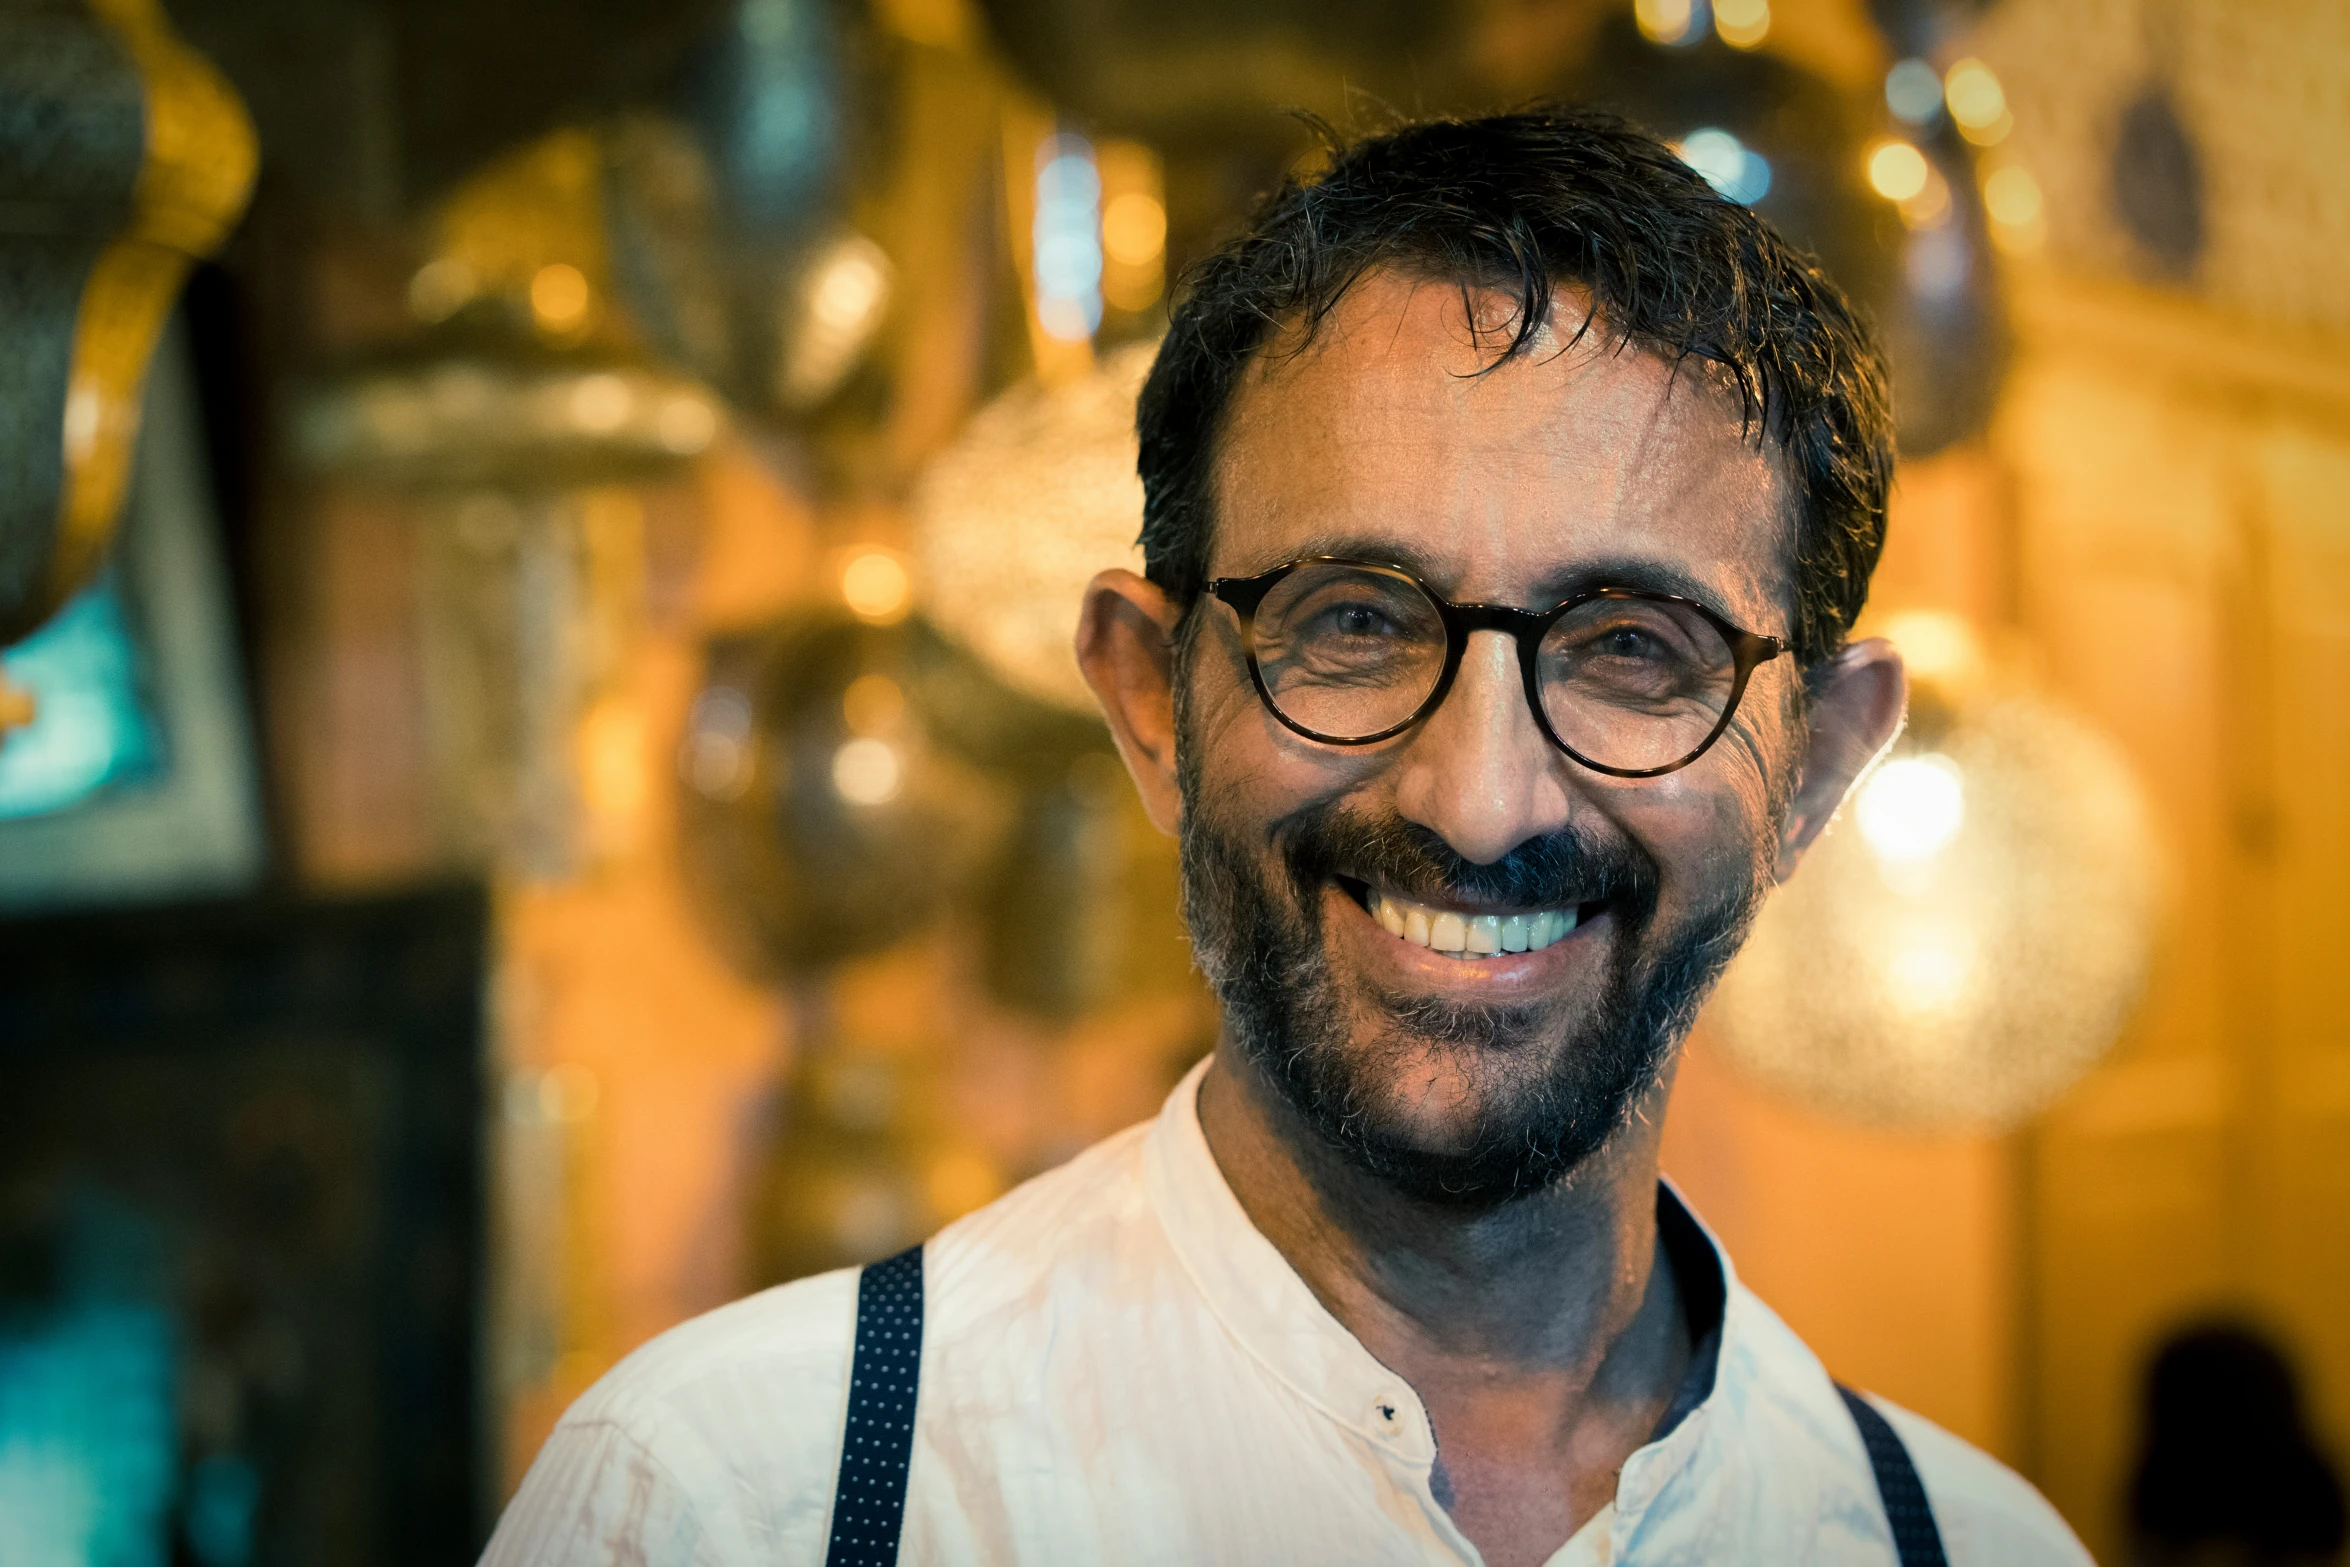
[(1527, 627)]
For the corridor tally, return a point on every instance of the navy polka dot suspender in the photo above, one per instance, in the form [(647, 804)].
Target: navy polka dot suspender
[(869, 1505), (1916, 1539)]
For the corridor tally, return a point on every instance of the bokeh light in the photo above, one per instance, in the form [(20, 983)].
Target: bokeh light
[(1913, 91), (559, 299), (2017, 209), (1728, 164), (1911, 807), (846, 297), (1977, 102), (1068, 239), (1667, 21), (1134, 229), (1743, 24), (1036, 495), (1897, 170), (867, 771), (1968, 938), (873, 704), (876, 586)]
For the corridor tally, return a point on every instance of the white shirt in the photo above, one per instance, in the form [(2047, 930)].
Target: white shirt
[(1118, 1367)]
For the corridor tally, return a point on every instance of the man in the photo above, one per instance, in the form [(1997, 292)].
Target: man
[(1509, 498)]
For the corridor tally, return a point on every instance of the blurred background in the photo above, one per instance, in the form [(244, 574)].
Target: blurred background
[(543, 788)]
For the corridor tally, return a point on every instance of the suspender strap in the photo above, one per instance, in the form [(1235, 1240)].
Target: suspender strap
[(1916, 1539), (869, 1503)]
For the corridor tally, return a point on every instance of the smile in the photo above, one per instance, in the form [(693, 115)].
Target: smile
[(1470, 936)]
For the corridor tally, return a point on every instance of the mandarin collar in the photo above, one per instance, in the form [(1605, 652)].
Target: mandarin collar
[(1278, 1320)]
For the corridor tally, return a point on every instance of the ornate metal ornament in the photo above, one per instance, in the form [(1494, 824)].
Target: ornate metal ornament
[(124, 157)]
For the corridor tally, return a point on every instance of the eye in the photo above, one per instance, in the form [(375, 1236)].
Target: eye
[(1359, 620), (1628, 642)]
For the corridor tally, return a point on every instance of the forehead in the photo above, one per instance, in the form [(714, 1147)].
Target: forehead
[(1558, 469)]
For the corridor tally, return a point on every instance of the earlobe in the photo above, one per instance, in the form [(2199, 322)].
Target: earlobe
[(1125, 646), (1855, 710)]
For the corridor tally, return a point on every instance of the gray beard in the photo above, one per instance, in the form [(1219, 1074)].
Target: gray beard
[(1552, 1090)]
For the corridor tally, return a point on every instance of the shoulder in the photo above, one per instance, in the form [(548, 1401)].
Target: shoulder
[(1053, 1237), (1987, 1512), (714, 1442), (719, 1441)]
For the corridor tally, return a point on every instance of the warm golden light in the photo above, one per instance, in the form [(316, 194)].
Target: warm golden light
[(1935, 645), (440, 289), (568, 1094), (614, 781), (601, 404), (1970, 935), (1036, 495), (686, 425), (846, 300), (1743, 24), (1977, 103), (1665, 21), (1928, 970), (873, 704), (1134, 229), (1911, 807), (2019, 214), (1974, 94), (1930, 208), (1133, 225), (1897, 170), (876, 586), (867, 772), (559, 298)]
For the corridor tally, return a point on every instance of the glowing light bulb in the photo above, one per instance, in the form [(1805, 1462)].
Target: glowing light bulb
[(1911, 807)]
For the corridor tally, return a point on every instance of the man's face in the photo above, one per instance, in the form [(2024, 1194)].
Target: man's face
[(1474, 1079)]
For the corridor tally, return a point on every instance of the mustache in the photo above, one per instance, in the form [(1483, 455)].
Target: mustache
[(1571, 865)]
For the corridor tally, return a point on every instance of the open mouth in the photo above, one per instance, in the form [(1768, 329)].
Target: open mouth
[(1456, 933)]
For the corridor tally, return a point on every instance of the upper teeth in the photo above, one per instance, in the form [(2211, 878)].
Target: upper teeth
[(1470, 935)]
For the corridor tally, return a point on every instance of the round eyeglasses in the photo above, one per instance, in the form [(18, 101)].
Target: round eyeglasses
[(1631, 684)]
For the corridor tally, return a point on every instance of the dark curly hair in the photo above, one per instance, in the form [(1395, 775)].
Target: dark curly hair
[(1525, 202)]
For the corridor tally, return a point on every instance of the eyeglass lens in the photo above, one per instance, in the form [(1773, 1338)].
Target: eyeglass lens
[(1348, 651)]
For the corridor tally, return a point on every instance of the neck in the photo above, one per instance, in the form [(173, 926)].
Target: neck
[(1544, 1335)]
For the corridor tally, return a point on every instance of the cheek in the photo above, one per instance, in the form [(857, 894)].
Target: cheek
[(1250, 769), (1707, 834)]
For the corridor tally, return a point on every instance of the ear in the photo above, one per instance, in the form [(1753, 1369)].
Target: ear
[(1125, 645), (1855, 709)]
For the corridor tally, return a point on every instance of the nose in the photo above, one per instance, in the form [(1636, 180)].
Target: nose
[(1479, 771)]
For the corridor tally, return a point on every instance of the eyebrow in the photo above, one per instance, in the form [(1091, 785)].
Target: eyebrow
[(1638, 573)]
